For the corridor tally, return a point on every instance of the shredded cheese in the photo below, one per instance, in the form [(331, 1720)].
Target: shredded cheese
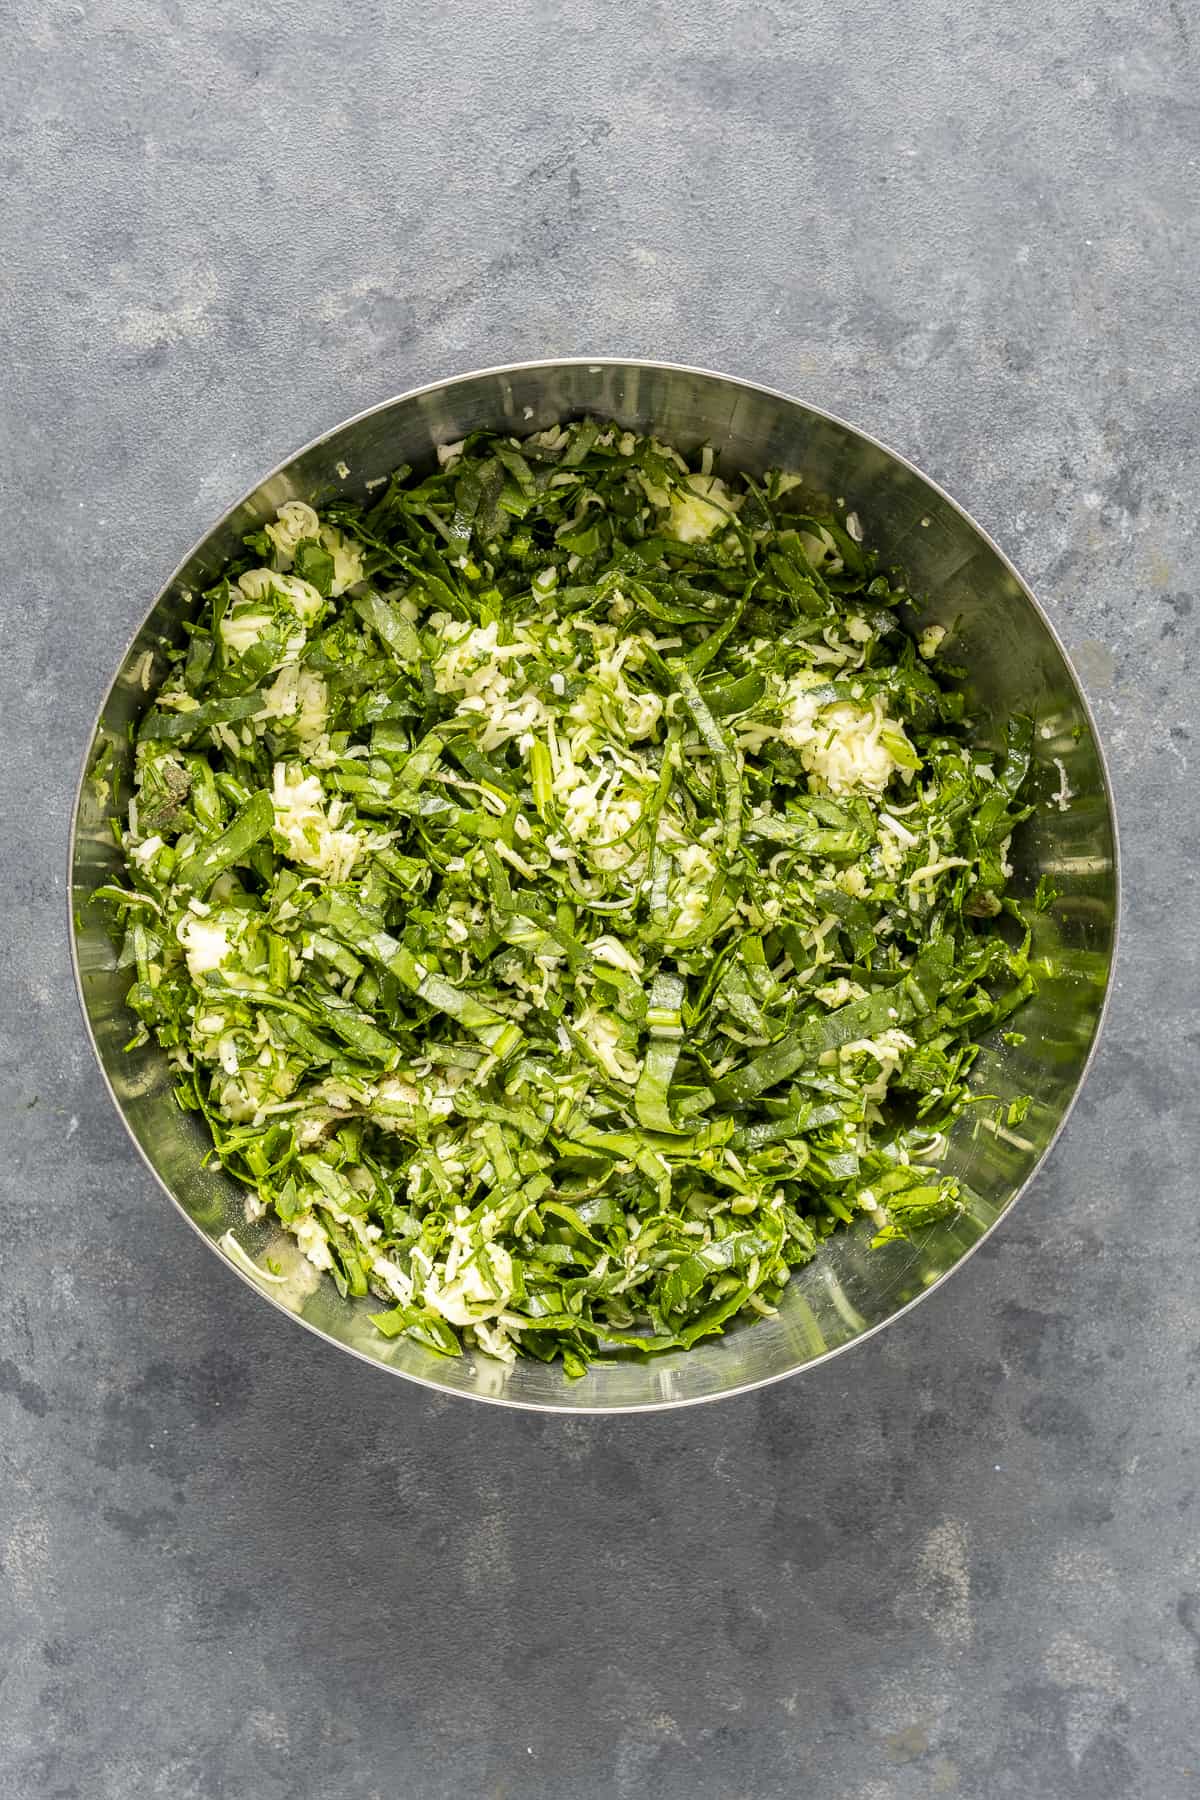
[(847, 747)]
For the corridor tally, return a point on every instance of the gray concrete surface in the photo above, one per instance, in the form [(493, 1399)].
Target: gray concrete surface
[(964, 1560)]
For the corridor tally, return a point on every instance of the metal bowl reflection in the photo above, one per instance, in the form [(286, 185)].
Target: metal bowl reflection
[(1016, 664)]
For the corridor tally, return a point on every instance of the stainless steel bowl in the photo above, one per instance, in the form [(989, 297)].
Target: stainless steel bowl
[(1016, 664)]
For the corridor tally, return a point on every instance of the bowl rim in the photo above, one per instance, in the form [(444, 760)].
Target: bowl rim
[(598, 364)]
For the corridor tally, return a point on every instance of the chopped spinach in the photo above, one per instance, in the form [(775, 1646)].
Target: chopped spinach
[(569, 892)]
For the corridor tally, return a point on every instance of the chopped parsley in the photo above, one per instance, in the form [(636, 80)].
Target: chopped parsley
[(570, 890)]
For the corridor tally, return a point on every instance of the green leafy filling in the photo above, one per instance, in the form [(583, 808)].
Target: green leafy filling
[(569, 893)]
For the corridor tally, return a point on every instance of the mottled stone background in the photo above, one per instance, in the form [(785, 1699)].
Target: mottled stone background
[(962, 1561)]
